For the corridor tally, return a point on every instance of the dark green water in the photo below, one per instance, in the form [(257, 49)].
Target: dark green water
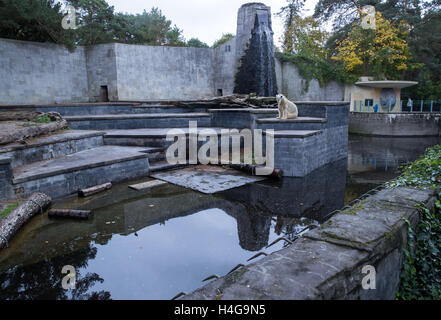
[(155, 244)]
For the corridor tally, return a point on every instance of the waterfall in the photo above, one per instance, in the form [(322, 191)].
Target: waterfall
[(257, 72)]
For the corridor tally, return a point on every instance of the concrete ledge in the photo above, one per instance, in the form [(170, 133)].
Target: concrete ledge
[(53, 146), (97, 157), (6, 191), (137, 116), (293, 134), (297, 120), (327, 262)]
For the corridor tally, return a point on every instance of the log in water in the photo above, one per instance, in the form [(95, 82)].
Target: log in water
[(69, 213)]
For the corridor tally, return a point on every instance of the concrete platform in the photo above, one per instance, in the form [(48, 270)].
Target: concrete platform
[(96, 157), (66, 175), (52, 146), (138, 121), (300, 123), (207, 179), (144, 137), (162, 108)]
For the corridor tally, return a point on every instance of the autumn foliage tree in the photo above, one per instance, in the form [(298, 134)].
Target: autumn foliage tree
[(382, 52)]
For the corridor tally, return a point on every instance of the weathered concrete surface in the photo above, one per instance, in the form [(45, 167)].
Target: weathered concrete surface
[(51, 146), (13, 131), (207, 179), (6, 191), (326, 263), (37, 73), (137, 121), (63, 176), (294, 87), (395, 124)]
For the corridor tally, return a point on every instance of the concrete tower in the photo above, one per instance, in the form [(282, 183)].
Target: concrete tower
[(255, 51)]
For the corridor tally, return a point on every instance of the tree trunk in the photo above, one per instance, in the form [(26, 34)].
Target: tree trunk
[(9, 226), (68, 213)]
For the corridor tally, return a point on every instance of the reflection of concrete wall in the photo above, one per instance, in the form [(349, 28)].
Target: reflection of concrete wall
[(376, 152), (313, 196), (397, 124)]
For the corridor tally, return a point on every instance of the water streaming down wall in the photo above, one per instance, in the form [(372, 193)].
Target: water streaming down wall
[(256, 66)]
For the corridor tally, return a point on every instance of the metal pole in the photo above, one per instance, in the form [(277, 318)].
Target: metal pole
[(422, 104), (401, 106), (431, 106)]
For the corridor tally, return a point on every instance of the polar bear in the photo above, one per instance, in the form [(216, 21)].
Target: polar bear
[(287, 109)]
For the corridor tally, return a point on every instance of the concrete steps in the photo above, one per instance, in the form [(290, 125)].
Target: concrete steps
[(137, 121), (300, 123), (79, 109), (147, 137), (164, 108), (51, 146), (66, 175)]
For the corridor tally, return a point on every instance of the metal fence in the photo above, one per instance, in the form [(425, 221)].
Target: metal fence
[(405, 106)]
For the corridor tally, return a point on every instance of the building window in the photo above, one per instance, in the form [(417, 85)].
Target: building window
[(369, 102), (227, 48)]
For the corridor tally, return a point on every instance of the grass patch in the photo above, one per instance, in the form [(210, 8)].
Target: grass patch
[(8, 210), (43, 119)]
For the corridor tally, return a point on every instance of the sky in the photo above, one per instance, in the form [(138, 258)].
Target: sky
[(206, 20)]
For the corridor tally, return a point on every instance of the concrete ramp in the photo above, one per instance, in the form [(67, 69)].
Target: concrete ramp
[(207, 179)]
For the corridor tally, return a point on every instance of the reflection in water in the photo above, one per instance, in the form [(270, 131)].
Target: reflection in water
[(375, 160), (154, 244), (42, 280)]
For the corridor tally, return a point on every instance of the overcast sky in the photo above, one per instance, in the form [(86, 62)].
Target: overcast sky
[(204, 19)]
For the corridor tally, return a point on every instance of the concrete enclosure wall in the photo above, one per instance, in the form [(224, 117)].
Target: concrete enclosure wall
[(147, 72), (395, 124), (41, 73), (296, 88)]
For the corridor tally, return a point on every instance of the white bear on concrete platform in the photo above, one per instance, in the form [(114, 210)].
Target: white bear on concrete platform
[(287, 109)]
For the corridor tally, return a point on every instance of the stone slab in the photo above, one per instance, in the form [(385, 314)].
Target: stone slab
[(136, 116), (147, 185), (207, 179), (52, 139), (87, 159), (293, 133), (295, 273), (296, 120)]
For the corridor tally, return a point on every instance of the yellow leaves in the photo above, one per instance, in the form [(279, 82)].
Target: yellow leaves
[(386, 46)]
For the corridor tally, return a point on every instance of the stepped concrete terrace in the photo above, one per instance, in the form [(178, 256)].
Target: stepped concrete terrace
[(114, 142)]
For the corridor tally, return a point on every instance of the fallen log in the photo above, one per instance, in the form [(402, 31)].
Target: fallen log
[(23, 130), (236, 101), (68, 213), (94, 190), (9, 226)]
